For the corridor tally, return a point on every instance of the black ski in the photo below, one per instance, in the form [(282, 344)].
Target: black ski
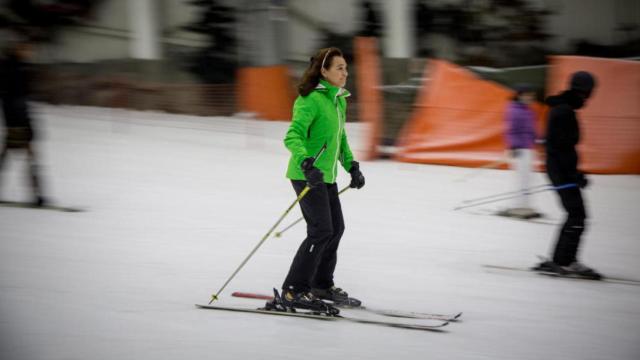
[(28, 205), (609, 279), (492, 212), (320, 316), (383, 312)]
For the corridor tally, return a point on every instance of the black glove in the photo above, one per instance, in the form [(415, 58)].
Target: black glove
[(357, 179), (582, 180), (313, 175)]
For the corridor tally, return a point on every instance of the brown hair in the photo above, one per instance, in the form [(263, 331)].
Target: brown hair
[(311, 77)]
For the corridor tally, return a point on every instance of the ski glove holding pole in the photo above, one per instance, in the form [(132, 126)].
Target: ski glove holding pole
[(357, 179), (582, 180), (313, 175)]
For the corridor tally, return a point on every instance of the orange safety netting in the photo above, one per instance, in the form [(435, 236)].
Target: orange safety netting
[(610, 120), (458, 119), (369, 97), (266, 91)]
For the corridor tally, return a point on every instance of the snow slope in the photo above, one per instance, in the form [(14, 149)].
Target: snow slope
[(174, 204)]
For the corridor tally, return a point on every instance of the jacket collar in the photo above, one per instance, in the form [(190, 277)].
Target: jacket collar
[(330, 90)]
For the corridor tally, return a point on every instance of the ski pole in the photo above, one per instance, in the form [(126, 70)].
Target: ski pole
[(302, 194), (559, 187), (506, 193), (279, 233)]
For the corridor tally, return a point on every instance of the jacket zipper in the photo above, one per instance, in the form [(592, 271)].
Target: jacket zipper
[(335, 163)]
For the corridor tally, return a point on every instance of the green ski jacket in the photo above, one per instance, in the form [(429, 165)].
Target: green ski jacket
[(319, 119)]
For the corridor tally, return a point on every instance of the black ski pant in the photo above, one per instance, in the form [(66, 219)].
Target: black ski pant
[(566, 249), (33, 164), (316, 259)]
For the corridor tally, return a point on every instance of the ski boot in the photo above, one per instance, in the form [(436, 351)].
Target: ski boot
[(574, 270), (579, 270), (548, 266), (337, 296), (291, 301), (40, 201)]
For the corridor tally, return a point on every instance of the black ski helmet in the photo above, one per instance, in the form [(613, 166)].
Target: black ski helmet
[(582, 82)]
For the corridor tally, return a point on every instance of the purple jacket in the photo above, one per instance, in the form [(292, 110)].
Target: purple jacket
[(521, 132)]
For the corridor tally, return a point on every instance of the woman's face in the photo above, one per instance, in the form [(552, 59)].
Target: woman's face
[(337, 73)]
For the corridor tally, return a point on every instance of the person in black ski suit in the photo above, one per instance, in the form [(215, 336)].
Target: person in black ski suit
[(563, 134), (14, 90)]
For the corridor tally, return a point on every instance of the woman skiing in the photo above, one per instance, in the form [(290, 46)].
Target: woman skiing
[(319, 122)]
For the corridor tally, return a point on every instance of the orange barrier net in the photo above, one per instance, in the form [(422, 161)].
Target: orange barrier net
[(458, 119), (266, 91), (369, 98), (610, 121)]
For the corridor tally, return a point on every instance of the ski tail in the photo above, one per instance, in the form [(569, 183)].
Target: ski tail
[(252, 295)]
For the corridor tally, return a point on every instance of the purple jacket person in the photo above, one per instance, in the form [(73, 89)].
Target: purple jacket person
[(521, 132)]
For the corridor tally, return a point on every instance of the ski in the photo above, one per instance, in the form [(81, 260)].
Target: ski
[(317, 316), (492, 212), (609, 279), (28, 205), (383, 312)]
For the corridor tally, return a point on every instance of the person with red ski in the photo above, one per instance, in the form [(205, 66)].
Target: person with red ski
[(318, 122)]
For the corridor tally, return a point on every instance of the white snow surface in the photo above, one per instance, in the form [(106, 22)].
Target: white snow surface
[(175, 203)]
